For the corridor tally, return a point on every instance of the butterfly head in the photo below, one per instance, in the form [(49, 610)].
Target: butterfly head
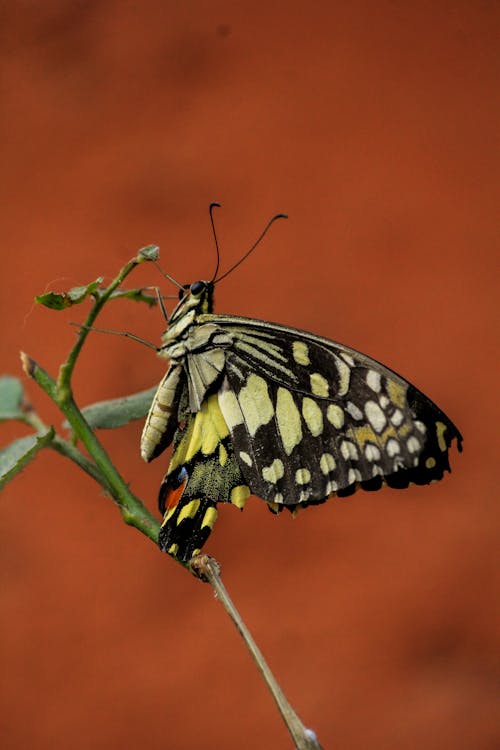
[(194, 298)]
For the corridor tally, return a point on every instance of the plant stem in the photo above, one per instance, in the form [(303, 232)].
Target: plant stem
[(100, 299), (208, 569), (132, 510)]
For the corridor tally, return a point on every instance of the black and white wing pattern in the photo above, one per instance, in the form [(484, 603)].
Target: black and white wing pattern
[(259, 408), (311, 418)]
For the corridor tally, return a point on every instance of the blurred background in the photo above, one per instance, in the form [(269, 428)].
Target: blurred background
[(374, 126)]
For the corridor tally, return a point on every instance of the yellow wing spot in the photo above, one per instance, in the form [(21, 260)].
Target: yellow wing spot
[(319, 384), (288, 420), (274, 472), (173, 549), (301, 353), (440, 430), (188, 511), (312, 416), (365, 434), (230, 407), (222, 455), (344, 374), (430, 462), (278, 499), (327, 463), (335, 415), (209, 518), (397, 393), (204, 433), (302, 476), (170, 512), (245, 458), (239, 495), (255, 403)]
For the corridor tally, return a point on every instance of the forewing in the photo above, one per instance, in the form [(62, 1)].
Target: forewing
[(311, 418)]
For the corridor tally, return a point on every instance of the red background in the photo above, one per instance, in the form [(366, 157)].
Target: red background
[(374, 126)]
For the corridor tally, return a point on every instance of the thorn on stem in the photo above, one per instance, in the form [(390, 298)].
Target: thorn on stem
[(29, 365)]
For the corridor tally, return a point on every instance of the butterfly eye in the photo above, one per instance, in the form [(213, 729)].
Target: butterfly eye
[(197, 287)]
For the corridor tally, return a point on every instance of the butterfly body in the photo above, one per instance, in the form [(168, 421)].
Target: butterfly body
[(260, 408)]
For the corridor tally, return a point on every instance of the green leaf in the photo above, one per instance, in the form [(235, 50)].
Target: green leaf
[(18, 454), (106, 415), (150, 252), (62, 300), (11, 397)]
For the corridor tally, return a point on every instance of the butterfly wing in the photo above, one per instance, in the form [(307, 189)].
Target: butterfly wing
[(310, 418)]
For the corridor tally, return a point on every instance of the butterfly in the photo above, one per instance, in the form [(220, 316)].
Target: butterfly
[(260, 408)]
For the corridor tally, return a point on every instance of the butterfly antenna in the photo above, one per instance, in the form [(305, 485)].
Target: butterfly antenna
[(257, 241), (211, 207)]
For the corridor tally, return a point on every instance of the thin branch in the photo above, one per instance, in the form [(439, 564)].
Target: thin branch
[(208, 569), (100, 299), (132, 510)]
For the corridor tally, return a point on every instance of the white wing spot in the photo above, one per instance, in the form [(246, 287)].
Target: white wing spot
[(354, 475), (348, 450), (302, 476), (383, 401), (274, 472), (335, 415), (301, 353), (397, 417), (372, 453), (375, 416), (354, 411), (373, 380), (278, 498), (245, 458), (413, 445), (392, 447), (331, 487), (327, 463)]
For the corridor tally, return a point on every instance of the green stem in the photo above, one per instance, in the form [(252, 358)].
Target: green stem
[(132, 510), (100, 299)]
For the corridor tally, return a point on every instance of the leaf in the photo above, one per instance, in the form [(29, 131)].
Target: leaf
[(106, 415), (11, 397), (62, 300), (150, 252), (19, 453)]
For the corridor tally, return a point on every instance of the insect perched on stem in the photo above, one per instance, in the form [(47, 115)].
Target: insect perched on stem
[(260, 408)]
